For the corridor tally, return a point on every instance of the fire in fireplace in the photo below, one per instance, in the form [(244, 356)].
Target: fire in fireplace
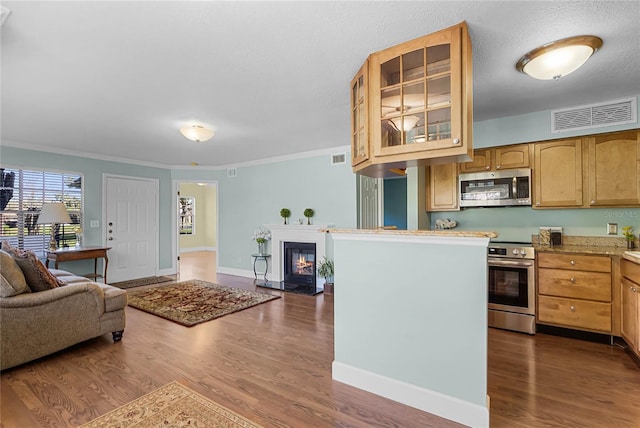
[(300, 263)]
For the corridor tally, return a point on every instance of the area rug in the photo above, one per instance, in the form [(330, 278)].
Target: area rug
[(174, 405), (194, 302), (142, 281)]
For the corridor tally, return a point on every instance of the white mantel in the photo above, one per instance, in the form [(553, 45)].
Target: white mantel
[(281, 233)]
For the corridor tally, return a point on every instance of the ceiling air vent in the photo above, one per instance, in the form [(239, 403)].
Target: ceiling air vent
[(232, 172), (618, 112), (338, 159)]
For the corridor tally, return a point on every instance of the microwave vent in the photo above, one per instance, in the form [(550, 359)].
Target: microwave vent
[(618, 112)]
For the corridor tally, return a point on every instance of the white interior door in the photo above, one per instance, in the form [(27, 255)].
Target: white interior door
[(369, 202), (131, 227)]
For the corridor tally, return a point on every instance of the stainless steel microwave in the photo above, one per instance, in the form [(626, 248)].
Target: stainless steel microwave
[(510, 187)]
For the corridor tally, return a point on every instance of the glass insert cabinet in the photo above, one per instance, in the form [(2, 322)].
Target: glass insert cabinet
[(412, 104)]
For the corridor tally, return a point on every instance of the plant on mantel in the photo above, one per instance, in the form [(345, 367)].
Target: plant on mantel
[(308, 213), (285, 213)]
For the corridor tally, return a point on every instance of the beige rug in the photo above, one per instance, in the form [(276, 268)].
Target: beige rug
[(172, 406), (194, 302)]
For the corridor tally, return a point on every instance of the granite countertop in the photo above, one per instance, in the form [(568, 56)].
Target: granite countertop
[(596, 245), (603, 250), (446, 233), (632, 256)]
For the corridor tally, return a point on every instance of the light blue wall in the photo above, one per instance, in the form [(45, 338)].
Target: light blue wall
[(93, 171), (423, 321), (255, 196)]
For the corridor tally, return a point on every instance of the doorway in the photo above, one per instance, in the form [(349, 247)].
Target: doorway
[(196, 228), (131, 226)]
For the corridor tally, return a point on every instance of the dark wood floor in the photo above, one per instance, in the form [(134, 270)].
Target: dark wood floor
[(272, 364)]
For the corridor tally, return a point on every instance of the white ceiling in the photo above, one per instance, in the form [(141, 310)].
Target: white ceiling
[(118, 79)]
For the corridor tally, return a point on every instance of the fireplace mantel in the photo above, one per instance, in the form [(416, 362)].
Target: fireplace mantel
[(281, 233)]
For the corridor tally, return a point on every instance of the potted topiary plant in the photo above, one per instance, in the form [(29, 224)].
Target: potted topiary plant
[(325, 270), (308, 213), (285, 213)]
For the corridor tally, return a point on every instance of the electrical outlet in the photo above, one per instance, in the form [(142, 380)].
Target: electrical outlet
[(94, 223), (612, 228)]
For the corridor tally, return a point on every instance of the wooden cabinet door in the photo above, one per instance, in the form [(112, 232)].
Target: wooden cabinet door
[(482, 161), (510, 157), (442, 187), (613, 171), (360, 115), (630, 317), (557, 174)]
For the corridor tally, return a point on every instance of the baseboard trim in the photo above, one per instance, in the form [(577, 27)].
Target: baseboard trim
[(195, 249), (429, 401), (236, 272)]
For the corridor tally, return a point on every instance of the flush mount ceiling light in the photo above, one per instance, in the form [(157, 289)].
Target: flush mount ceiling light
[(557, 59), (197, 133), (404, 123)]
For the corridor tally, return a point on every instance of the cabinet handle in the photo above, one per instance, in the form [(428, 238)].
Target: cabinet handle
[(456, 141), (573, 262), (498, 167), (573, 308), (538, 203), (593, 202), (487, 167), (572, 280)]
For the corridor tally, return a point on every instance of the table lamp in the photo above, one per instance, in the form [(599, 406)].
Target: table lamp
[(53, 213)]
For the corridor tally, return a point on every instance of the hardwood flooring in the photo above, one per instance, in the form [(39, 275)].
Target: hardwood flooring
[(272, 364)]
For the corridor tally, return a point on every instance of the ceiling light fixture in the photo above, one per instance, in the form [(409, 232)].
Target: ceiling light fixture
[(405, 123), (557, 59), (197, 133)]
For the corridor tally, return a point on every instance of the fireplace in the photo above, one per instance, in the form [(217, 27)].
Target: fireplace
[(300, 263)]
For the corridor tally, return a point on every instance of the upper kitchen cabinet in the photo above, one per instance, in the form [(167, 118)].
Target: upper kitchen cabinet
[(613, 169), (498, 158), (417, 102), (557, 174), (442, 187), (360, 116)]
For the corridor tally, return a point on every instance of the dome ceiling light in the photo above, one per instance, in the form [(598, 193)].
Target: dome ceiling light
[(557, 59), (197, 133)]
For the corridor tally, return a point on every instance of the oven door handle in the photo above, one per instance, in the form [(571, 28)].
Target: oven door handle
[(498, 263)]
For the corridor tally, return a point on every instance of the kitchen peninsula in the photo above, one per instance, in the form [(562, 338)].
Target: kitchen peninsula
[(410, 318)]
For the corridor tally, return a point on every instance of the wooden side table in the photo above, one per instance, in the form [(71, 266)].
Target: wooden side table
[(82, 253)]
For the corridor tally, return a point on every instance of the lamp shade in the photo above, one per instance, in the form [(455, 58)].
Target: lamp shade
[(557, 59), (405, 123), (54, 213), (197, 133)]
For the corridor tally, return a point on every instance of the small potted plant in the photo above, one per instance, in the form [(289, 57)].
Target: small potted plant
[(627, 231), (285, 213), (325, 270), (261, 237), (308, 213)]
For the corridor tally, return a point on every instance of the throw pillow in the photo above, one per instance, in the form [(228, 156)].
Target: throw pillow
[(13, 281), (36, 274)]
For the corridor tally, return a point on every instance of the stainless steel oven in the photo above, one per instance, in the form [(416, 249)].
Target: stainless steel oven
[(511, 285)]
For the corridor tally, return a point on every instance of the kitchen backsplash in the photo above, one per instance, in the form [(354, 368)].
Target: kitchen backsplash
[(520, 223), (590, 241)]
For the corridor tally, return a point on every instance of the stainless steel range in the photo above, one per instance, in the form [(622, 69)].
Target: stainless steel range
[(511, 286)]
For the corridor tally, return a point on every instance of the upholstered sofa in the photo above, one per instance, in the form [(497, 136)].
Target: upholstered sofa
[(36, 322)]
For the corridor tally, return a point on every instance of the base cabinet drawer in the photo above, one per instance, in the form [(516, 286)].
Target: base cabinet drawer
[(582, 314), (575, 284), (575, 262)]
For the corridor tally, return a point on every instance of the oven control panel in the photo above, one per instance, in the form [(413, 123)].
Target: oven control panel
[(512, 251)]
